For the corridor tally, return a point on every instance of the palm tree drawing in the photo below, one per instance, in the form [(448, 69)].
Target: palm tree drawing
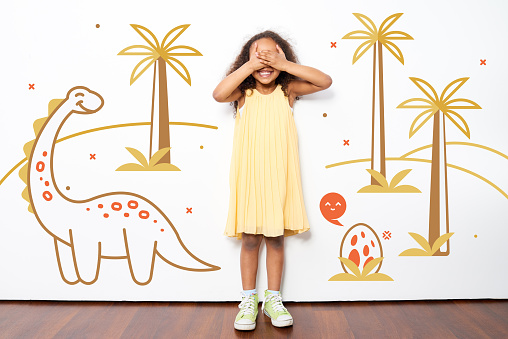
[(378, 38), (158, 55), (439, 107)]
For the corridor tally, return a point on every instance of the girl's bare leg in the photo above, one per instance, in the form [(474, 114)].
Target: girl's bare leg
[(249, 259), (274, 261)]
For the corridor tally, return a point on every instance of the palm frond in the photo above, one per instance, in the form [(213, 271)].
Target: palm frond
[(420, 83), (141, 30), (367, 22), (392, 48), (397, 35), (170, 61), (413, 129), (135, 74), (458, 84), (429, 104), (193, 52), (128, 50), (364, 47), (178, 30), (388, 22), (359, 34), (468, 104), (461, 123)]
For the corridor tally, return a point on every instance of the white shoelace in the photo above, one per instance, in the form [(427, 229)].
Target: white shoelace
[(247, 305), (277, 302)]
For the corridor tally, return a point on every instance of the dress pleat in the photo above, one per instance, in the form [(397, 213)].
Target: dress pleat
[(265, 183)]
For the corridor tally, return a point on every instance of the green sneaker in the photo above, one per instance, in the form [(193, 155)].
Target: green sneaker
[(246, 318), (273, 308)]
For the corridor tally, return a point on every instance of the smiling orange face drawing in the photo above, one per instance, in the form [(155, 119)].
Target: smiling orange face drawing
[(333, 206)]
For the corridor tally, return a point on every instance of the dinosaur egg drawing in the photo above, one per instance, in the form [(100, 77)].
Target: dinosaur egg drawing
[(360, 245)]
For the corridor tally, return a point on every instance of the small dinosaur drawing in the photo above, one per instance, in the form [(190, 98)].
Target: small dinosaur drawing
[(116, 225)]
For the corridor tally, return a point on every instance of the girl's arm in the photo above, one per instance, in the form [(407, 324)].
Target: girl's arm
[(313, 79), (227, 90)]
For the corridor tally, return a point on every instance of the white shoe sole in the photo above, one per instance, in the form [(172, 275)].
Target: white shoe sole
[(279, 323), (245, 327)]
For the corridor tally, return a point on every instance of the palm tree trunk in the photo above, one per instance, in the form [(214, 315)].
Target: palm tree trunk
[(153, 109), (373, 146), (438, 212), (163, 111), (381, 113)]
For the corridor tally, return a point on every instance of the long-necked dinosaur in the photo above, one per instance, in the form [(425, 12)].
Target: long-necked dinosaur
[(116, 225)]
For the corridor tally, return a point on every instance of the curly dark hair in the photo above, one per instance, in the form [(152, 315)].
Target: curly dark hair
[(283, 79)]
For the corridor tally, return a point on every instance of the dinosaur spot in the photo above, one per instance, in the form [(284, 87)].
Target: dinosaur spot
[(365, 250), (100, 206), (144, 214), (162, 229), (40, 166), (354, 239), (47, 196), (46, 183), (363, 234), (44, 153), (155, 221), (87, 209), (126, 215), (133, 204), (354, 256), (116, 206), (40, 178), (106, 215), (372, 243)]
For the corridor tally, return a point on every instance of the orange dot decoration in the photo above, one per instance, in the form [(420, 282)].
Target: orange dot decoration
[(100, 206), (40, 166), (116, 206), (106, 215), (144, 214), (88, 209), (155, 221), (47, 196), (133, 204), (46, 183), (44, 153), (126, 215), (162, 229)]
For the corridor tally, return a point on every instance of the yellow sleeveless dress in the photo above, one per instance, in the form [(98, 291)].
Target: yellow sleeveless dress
[(265, 185)]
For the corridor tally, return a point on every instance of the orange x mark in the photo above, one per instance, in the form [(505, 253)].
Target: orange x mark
[(346, 142), (483, 62), (334, 44), (189, 210), (31, 86), (92, 157)]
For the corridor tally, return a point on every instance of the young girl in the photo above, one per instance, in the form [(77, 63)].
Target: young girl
[(266, 199)]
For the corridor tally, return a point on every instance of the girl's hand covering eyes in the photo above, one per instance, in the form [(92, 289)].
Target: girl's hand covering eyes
[(273, 59), (255, 62)]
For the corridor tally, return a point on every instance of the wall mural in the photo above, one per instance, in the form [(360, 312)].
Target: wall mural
[(359, 230)]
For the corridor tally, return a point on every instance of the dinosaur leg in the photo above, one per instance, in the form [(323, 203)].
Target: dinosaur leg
[(140, 256), (86, 255), (65, 262)]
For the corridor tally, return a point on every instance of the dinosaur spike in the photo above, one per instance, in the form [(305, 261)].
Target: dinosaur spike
[(53, 104), (28, 148), (38, 125), (30, 209), (23, 173), (24, 194)]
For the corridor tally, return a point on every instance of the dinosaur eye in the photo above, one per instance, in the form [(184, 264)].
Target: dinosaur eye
[(328, 204), (338, 203), (79, 95)]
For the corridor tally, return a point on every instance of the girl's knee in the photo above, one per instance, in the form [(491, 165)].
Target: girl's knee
[(251, 241), (275, 242)]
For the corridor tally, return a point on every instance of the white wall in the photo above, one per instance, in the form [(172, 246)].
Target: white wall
[(56, 45)]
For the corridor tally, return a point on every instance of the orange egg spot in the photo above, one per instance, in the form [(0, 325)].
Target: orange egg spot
[(88, 209), (100, 206), (354, 239), (144, 214), (40, 178), (363, 235), (46, 183), (47, 196), (162, 229), (367, 261), (372, 243), (354, 256), (106, 215), (116, 206), (365, 250), (133, 204), (44, 153), (40, 166), (155, 221), (126, 215)]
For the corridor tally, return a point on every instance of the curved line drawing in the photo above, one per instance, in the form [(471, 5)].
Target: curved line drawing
[(426, 161), (105, 128), (84, 230), (462, 143)]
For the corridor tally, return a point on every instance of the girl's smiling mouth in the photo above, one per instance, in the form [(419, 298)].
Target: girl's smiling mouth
[(265, 73)]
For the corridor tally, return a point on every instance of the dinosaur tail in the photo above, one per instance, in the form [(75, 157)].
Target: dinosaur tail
[(172, 250)]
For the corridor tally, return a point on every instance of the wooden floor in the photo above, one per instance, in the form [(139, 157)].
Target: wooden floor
[(406, 319)]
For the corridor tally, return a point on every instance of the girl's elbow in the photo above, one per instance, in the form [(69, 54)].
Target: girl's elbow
[(328, 82), (217, 96)]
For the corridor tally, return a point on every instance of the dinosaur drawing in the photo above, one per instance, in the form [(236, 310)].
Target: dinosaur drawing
[(115, 225)]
